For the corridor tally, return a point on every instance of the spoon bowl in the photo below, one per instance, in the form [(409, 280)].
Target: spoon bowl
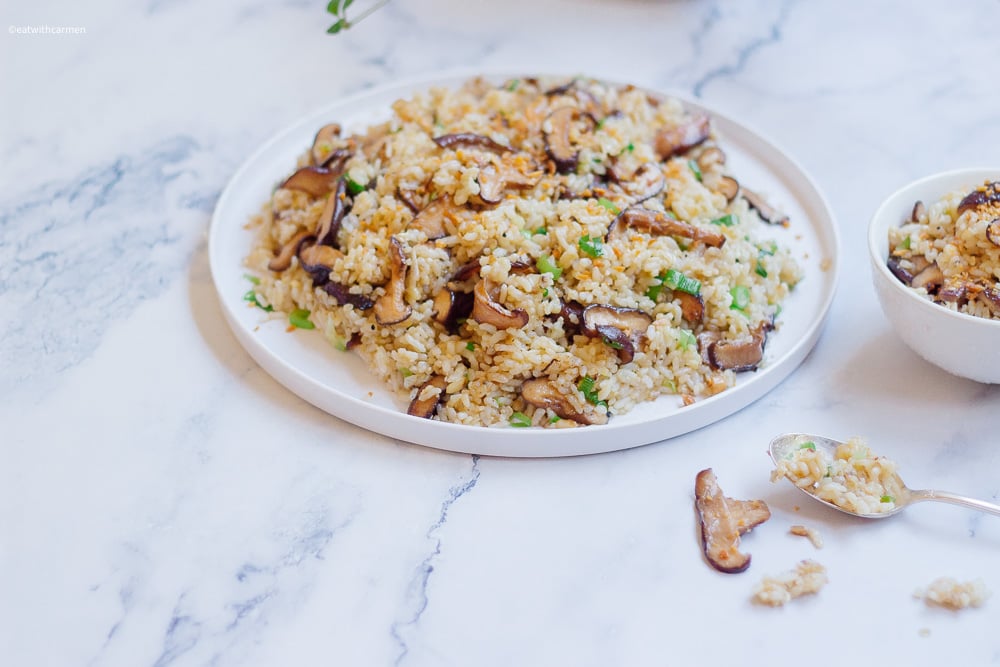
[(784, 447)]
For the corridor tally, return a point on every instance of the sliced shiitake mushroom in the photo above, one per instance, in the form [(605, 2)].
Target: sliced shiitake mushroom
[(345, 296), (322, 148), (431, 219), (318, 261), (487, 310), (993, 232), (283, 259), (391, 307), (990, 296), (723, 520), (558, 145), (491, 184), (692, 307), (621, 328), (984, 195), (741, 354), (929, 279), (542, 393), (898, 270), (409, 198), (654, 222), (767, 213), (451, 308), (647, 182), (328, 226), (919, 211), (571, 313), (426, 407), (710, 157), (679, 139), (316, 181), (470, 140), (728, 187)]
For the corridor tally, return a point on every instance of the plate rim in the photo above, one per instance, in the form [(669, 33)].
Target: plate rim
[(497, 441)]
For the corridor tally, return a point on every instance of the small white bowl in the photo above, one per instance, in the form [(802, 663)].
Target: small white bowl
[(960, 344)]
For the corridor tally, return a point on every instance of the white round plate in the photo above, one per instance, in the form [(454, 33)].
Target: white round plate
[(339, 383)]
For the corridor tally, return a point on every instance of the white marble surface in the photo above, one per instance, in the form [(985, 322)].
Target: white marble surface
[(164, 502)]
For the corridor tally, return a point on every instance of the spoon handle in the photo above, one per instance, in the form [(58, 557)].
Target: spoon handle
[(955, 499)]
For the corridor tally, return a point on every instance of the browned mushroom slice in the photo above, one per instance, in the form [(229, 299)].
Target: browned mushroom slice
[(541, 393), (767, 213), (728, 187), (344, 296), (958, 294), (470, 140), (426, 407), (491, 184), (283, 259), (993, 232), (316, 181), (899, 271), (929, 279), (486, 309), (706, 339), (391, 307), (692, 307), (557, 138), (621, 328), (318, 260), (466, 271), (431, 220), (328, 226), (647, 182), (710, 157), (571, 313), (990, 296), (654, 222), (322, 148), (451, 308), (742, 354), (409, 197), (679, 139), (981, 196), (919, 211), (353, 341), (723, 520)]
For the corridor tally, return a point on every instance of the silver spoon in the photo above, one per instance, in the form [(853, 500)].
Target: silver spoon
[(788, 443)]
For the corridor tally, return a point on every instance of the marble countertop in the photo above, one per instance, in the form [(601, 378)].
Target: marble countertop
[(163, 501)]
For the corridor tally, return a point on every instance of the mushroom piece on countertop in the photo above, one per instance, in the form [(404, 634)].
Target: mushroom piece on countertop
[(541, 393), (557, 139), (767, 213), (427, 406), (653, 222), (679, 139), (316, 181), (486, 309), (723, 520), (391, 307), (621, 328), (283, 259)]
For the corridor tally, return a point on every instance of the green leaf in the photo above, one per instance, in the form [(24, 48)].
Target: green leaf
[(610, 205), (299, 318), (592, 246), (545, 264), (520, 420), (334, 7), (653, 293), (630, 147), (587, 388), (695, 169), (554, 419), (904, 245)]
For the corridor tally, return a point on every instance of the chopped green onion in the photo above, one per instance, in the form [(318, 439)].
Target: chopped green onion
[(726, 221), (887, 499), (829, 471), (674, 279), (905, 245), (405, 372), (586, 387), (613, 344), (554, 419), (610, 205), (686, 339), (545, 292), (512, 86), (520, 420), (669, 384), (760, 270), (600, 123), (592, 246), (653, 293), (695, 169), (470, 346), (541, 230), (252, 297), (339, 343), (299, 318), (352, 186), (544, 264), (253, 279), (769, 249), (741, 297), (526, 233), (811, 446), (596, 159), (630, 147), (777, 310)]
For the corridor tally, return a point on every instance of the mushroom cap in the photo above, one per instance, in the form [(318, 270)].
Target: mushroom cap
[(316, 181), (486, 310), (542, 393), (470, 140), (679, 139), (767, 213), (431, 219), (426, 407), (557, 138), (391, 307), (654, 222), (328, 225), (283, 259), (322, 148)]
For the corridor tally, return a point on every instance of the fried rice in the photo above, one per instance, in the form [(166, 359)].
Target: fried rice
[(528, 254)]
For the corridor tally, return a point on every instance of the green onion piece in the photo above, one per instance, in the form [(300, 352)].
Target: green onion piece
[(544, 264), (811, 446), (299, 318), (741, 297), (613, 344), (339, 343), (829, 471), (513, 85), (541, 230), (353, 187), (669, 384), (630, 147), (887, 499), (726, 220), (695, 169), (777, 310), (674, 279), (687, 339), (520, 420), (545, 292), (600, 123), (905, 245), (253, 298), (760, 270), (653, 293), (769, 249), (589, 391), (592, 246), (256, 281), (405, 372), (554, 419), (526, 233), (470, 346), (596, 159), (610, 205)]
